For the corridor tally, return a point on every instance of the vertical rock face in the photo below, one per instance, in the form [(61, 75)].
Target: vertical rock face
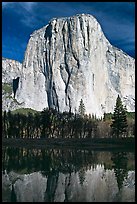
[(11, 70), (32, 89), (70, 59)]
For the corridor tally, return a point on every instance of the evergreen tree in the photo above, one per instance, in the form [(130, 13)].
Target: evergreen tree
[(119, 119), (81, 109)]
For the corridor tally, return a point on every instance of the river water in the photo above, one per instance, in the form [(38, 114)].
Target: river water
[(67, 175)]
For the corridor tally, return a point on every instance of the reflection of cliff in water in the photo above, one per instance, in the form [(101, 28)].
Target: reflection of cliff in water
[(65, 176)]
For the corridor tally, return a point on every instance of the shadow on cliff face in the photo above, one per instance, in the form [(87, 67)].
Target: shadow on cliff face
[(15, 85)]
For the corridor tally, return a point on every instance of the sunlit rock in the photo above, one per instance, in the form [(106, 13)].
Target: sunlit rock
[(69, 59), (11, 70)]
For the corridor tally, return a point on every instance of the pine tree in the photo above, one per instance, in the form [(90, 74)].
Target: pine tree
[(119, 119), (81, 109)]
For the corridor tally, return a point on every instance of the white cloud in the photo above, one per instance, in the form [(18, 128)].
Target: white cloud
[(6, 4), (28, 6), (26, 9)]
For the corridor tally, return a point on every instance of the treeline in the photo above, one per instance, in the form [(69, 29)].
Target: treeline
[(51, 124), (48, 124)]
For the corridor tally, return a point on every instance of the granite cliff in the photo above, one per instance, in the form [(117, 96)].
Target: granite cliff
[(69, 59), (11, 70)]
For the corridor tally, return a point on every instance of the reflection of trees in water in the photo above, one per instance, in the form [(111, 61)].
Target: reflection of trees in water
[(47, 160), (81, 175), (120, 167), (51, 161)]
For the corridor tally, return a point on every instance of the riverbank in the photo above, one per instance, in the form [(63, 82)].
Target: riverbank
[(93, 143)]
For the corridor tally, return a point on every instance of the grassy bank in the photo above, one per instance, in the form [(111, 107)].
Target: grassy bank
[(94, 143)]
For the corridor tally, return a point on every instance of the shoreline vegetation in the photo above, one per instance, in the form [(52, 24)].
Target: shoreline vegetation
[(51, 128), (92, 143)]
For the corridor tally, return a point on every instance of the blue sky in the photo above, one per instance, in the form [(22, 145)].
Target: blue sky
[(20, 19)]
